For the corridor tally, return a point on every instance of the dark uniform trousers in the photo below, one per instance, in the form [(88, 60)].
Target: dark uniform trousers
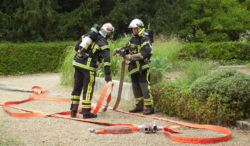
[(84, 81), (141, 88)]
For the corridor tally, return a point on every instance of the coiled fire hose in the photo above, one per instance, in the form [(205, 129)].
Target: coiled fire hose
[(38, 93)]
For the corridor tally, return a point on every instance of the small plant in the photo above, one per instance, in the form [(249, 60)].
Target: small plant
[(158, 66)]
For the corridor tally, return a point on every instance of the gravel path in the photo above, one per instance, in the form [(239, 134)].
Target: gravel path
[(52, 131)]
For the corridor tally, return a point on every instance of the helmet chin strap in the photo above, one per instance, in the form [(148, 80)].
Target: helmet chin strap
[(141, 32)]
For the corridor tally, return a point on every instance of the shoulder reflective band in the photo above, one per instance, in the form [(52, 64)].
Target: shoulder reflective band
[(145, 43), (142, 45), (104, 47)]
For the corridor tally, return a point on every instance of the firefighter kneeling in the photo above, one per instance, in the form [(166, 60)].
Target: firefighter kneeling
[(91, 48)]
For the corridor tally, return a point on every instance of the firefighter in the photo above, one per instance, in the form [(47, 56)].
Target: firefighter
[(137, 54), (91, 49)]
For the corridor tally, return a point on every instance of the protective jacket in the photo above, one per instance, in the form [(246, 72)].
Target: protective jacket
[(97, 52), (85, 63), (141, 47)]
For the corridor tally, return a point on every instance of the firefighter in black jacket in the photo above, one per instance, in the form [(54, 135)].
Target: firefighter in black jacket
[(137, 54), (92, 47)]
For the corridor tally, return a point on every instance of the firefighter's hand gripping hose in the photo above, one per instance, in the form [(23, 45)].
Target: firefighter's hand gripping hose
[(116, 128)]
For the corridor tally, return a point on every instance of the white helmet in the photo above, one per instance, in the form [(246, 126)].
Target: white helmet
[(136, 23), (107, 30)]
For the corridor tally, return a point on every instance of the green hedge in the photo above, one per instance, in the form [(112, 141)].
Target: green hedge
[(228, 102), (234, 85), (229, 82), (174, 101), (20, 58), (217, 50)]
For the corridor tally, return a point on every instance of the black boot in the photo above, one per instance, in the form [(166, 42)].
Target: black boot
[(89, 115), (138, 107), (149, 110), (73, 114), (86, 113), (73, 108)]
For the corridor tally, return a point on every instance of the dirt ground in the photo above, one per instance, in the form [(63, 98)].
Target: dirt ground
[(60, 132)]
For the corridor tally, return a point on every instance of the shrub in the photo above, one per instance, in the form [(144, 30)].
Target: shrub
[(174, 101), (220, 79), (234, 85), (19, 58)]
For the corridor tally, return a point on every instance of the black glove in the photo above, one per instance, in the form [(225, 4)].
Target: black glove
[(123, 52), (107, 73), (108, 78)]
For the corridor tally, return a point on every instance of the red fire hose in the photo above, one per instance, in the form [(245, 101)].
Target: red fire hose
[(125, 127)]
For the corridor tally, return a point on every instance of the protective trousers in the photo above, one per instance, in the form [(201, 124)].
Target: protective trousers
[(84, 80), (141, 88)]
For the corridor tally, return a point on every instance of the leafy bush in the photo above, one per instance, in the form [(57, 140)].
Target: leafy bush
[(227, 81), (235, 86), (217, 50), (19, 58), (174, 101)]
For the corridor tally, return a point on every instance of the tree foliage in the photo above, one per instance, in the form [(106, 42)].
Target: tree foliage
[(193, 20), (215, 20)]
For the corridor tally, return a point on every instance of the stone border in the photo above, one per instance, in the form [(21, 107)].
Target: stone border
[(245, 125), (127, 92)]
